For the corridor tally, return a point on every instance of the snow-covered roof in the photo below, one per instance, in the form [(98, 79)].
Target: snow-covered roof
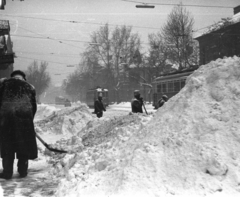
[(223, 23)]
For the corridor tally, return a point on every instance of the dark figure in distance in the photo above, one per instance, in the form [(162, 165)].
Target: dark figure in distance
[(17, 109), (162, 100), (137, 102), (99, 107)]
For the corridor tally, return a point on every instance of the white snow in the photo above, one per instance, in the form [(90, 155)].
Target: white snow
[(224, 22), (189, 147)]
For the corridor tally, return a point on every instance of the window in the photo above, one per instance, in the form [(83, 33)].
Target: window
[(182, 83), (170, 86), (164, 87), (159, 89), (203, 55), (176, 86)]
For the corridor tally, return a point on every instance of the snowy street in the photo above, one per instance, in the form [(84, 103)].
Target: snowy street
[(190, 146), (79, 84), (38, 182)]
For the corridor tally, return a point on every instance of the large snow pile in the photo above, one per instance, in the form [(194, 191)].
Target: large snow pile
[(64, 121), (190, 147), (43, 111), (98, 136)]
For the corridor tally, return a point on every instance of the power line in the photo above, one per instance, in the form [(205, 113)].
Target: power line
[(167, 4), (52, 54), (45, 60), (60, 41), (76, 22), (201, 28), (45, 38)]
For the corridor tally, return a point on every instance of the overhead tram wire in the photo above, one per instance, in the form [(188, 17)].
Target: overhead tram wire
[(60, 40), (46, 60), (187, 5), (52, 54), (75, 22), (47, 37), (24, 36), (63, 39)]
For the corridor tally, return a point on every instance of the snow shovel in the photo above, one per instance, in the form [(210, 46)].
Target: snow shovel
[(48, 147), (145, 108)]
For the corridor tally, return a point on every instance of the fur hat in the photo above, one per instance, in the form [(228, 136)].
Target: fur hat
[(136, 92), (18, 72)]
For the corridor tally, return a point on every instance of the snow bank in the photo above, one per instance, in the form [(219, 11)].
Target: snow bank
[(190, 147), (44, 111), (68, 120)]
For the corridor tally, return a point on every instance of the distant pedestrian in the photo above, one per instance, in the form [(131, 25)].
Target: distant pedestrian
[(17, 109), (137, 102), (99, 106), (162, 100)]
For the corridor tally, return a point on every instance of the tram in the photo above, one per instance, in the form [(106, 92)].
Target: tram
[(60, 100), (92, 95), (169, 85)]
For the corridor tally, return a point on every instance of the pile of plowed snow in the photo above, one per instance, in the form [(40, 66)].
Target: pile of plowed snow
[(190, 147), (97, 132), (64, 121), (44, 111)]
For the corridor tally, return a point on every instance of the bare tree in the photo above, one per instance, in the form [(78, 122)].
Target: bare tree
[(90, 65), (177, 34), (112, 50), (38, 76), (74, 86), (158, 55)]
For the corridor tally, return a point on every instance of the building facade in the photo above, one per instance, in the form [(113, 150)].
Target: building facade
[(222, 41), (6, 52)]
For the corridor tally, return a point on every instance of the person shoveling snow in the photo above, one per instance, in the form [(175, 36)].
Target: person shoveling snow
[(17, 109)]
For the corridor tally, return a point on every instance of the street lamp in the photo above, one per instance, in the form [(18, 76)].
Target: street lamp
[(145, 6)]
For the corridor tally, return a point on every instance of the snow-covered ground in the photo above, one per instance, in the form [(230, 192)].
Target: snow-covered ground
[(190, 146)]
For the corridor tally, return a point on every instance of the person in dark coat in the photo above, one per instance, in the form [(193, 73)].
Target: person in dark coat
[(99, 107), (137, 102), (162, 100), (17, 109)]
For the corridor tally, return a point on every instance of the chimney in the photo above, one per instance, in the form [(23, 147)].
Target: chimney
[(236, 10)]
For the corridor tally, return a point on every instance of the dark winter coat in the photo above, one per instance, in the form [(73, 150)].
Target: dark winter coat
[(99, 108), (161, 102), (137, 105), (17, 109)]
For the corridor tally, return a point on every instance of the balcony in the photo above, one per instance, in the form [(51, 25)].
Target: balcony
[(7, 58), (4, 27)]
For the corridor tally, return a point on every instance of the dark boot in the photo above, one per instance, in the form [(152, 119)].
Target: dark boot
[(7, 164), (22, 167)]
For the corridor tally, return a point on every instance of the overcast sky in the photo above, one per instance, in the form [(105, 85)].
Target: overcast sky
[(52, 19)]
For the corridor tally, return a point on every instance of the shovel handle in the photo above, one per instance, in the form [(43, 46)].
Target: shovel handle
[(48, 147), (145, 108)]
